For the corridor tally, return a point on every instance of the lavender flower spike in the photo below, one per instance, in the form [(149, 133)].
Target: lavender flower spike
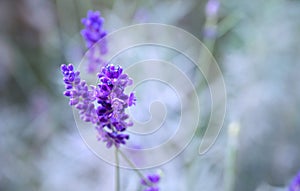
[(93, 30), (112, 104), (92, 34), (78, 92), (295, 184)]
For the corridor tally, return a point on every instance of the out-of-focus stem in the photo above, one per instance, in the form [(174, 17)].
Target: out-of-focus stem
[(229, 22), (231, 154), (117, 173), (211, 24), (210, 31), (135, 168)]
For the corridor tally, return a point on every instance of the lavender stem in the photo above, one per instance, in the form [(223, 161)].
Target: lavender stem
[(117, 173)]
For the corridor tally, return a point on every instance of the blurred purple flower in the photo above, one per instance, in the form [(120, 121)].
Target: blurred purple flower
[(92, 34), (93, 30), (295, 184), (141, 15), (212, 8), (151, 182), (109, 114), (210, 32)]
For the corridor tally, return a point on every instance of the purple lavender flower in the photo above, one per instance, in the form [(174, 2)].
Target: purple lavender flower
[(112, 104), (80, 96), (108, 113), (151, 182), (210, 32), (211, 11), (295, 184), (93, 30), (92, 33), (212, 8)]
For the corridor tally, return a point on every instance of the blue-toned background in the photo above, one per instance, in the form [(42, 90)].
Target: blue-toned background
[(256, 44)]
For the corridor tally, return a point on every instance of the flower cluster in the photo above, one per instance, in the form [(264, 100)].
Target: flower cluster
[(108, 114), (295, 184), (92, 33), (112, 104), (151, 182), (80, 96)]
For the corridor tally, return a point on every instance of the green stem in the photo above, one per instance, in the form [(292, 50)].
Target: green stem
[(230, 165), (117, 173), (135, 168)]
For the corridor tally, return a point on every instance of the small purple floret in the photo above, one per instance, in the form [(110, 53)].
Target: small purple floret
[(151, 182), (132, 99)]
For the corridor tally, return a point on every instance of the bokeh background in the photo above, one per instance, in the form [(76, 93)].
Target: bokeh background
[(256, 44)]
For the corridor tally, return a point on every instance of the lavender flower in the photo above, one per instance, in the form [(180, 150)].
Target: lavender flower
[(295, 184), (211, 11), (93, 30), (80, 96), (92, 33), (212, 8), (113, 102), (151, 182), (108, 114)]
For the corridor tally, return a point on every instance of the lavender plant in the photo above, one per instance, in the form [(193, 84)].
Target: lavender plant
[(103, 105)]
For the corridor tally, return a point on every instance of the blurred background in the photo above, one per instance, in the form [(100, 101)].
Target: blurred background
[(256, 44)]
